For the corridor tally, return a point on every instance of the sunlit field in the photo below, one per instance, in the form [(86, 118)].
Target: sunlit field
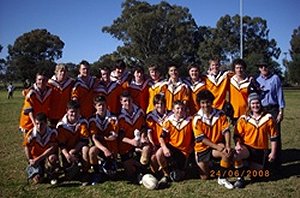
[(13, 181)]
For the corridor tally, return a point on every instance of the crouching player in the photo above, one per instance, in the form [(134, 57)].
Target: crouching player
[(40, 149), (176, 143), (73, 140), (104, 132), (212, 138), (131, 126), (251, 134), (154, 121)]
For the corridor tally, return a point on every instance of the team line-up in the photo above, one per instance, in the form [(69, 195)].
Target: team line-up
[(128, 125)]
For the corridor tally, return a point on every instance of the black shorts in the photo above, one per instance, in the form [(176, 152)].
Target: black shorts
[(258, 156), (204, 156), (129, 155), (177, 160)]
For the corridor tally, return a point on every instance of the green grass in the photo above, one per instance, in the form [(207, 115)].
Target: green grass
[(13, 179)]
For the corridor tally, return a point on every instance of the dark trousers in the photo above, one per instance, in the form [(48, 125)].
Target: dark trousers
[(274, 111)]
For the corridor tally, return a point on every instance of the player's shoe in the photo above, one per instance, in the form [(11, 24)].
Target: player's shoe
[(224, 182)]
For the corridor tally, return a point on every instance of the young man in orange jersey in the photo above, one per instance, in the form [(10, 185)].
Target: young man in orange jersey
[(73, 138), (212, 138), (104, 131), (217, 82), (40, 148), (61, 85), (37, 100), (120, 74), (154, 121), (196, 83), (84, 90), (176, 141), (238, 92), (110, 89), (252, 134), (174, 88), (131, 127), (138, 88), (155, 84)]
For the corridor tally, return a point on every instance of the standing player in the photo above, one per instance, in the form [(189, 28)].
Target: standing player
[(110, 89), (155, 84), (73, 137), (40, 148), (238, 92), (174, 88), (120, 74), (196, 83), (212, 138), (218, 83), (61, 85), (37, 100), (104, 132), (138, 88), (84, 90), (176, 141)]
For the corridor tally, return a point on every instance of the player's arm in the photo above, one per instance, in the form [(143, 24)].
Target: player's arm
[(163, 144), (209, 143), (100, 146), (43, 156)]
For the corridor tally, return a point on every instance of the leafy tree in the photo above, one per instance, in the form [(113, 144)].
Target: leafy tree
[(223, 41), (2, 61), (151, 31), (34, 51), (294, 64)]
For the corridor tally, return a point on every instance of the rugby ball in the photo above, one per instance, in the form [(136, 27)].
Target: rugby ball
[(149, 181)]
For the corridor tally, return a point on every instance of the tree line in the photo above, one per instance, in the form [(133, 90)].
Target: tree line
[(158, 34)]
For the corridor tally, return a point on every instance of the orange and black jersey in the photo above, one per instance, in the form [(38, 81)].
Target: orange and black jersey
[(238, 95), (70, 134), (154, 122), (37, 144), (122, 80), (213, 128), (104, 126), (154, 88), (179, 133), (139, 93), (256, 132), (84, 92), (195, 88), (173, 92), (112, 92), (60, 96), (219, 86), (35, 101), (127, 124)]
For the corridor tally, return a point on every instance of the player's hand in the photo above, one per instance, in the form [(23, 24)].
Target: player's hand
[(271, 157), (107, 153), (279, 117), (135, 142), (32, 162), (166, 152)]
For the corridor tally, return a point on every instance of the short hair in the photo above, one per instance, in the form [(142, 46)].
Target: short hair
[(172, 64), (125, 94), (73, 104), (159, 98), (99, 98), (239, 61), (120, 64), (41, 117), (59, 67), (153, 66), (105, 68), (205, 95), (41, 73), (193, 65), (85, 63), (138, 68), (178, 102)]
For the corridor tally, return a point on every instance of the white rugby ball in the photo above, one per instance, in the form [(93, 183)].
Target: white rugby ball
[(149, 181)]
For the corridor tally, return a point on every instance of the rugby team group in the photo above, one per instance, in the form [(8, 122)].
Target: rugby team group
[(125, 124)]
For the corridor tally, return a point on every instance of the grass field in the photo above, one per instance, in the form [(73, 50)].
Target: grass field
[(13, 179)]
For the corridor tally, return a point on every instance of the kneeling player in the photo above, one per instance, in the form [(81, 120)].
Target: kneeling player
[(73, 139), (212, 138), (103, 128), (40, 149), (176, 143)]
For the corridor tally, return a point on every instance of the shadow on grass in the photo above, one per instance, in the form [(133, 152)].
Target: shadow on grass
[(290, 163)]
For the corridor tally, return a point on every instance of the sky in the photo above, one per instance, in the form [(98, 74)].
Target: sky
[(79, 23)]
